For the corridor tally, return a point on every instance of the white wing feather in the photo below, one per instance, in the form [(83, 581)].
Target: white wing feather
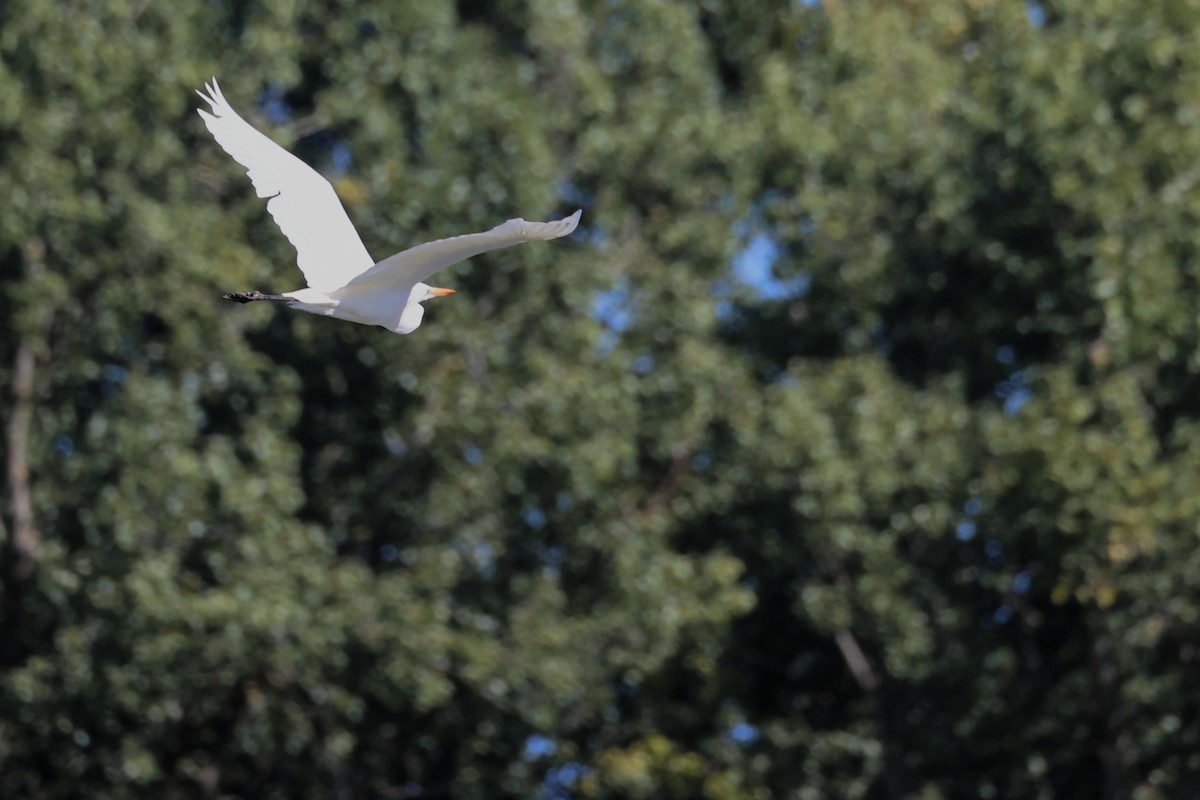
[(418, 263), (302, 203)]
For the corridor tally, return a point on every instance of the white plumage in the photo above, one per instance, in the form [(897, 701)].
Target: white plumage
[(343, 280)]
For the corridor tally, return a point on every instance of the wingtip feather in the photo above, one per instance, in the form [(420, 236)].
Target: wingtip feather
[(208, 98), (571, 223)]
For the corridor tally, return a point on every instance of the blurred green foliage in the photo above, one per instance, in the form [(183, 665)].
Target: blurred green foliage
[(613, 523)]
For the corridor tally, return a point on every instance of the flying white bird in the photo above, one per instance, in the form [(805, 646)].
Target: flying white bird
[(343, 280)]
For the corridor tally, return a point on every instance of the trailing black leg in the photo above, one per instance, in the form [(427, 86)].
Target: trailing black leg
[(250, 297)]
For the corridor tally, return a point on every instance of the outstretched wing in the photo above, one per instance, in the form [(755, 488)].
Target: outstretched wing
[(302, 203), (418, 263)]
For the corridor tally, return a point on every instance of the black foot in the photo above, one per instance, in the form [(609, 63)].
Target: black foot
[(244, 297)]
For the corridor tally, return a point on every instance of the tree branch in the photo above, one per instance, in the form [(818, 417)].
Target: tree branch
[(24, 540), (856, 660), (665, 491)]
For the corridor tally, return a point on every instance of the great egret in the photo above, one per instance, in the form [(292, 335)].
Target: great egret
[(343, 280)]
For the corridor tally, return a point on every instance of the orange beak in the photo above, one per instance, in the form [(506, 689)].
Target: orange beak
[(436, 292)]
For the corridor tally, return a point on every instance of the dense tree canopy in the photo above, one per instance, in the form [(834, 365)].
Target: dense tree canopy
[(848, 450)]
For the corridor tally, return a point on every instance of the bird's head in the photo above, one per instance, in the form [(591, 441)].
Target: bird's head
[(425, 292)]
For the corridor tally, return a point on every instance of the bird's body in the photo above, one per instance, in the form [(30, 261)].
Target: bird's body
[(343, 280), (398, 309)]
